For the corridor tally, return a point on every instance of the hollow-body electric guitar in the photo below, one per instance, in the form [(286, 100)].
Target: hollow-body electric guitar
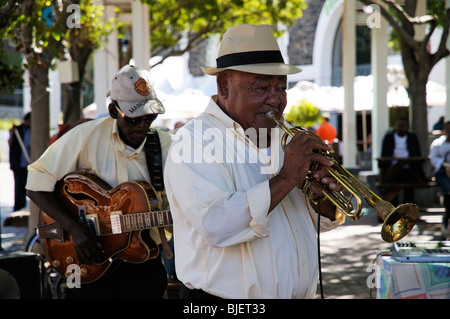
[(116, 215)]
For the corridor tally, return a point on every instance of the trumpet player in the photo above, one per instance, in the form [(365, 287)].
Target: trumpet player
[(242, 230)]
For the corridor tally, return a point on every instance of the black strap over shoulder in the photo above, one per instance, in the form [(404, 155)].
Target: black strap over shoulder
[(153, 156)]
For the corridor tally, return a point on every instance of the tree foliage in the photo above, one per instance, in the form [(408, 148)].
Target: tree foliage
[(10, 74), (304, 113), (171, 20)]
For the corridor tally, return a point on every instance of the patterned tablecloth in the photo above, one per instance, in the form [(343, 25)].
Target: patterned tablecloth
[(412, 280)]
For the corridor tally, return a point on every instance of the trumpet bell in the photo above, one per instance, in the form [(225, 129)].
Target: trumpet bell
[(399, 222)]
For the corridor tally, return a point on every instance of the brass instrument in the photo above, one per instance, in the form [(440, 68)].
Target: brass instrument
[(398, 222)]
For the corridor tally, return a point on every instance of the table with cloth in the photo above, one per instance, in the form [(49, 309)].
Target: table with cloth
[(412, 280)]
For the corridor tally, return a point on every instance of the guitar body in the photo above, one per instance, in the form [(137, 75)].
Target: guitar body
[(92, 200)]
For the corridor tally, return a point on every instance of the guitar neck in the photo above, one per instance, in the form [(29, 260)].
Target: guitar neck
[(140, 221)]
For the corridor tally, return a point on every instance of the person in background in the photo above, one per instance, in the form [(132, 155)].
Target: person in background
[(440, 159), (115, 149), (19, 156), (178, 125), (400, 143), (326, 131), (439, 125), (242, 227)]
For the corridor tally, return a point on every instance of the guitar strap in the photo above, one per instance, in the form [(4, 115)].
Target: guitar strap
[(153, 156)]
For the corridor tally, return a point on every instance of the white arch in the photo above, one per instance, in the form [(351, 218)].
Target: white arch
[(328, 22)]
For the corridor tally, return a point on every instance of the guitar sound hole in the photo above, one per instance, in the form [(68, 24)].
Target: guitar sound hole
[(80, 196)]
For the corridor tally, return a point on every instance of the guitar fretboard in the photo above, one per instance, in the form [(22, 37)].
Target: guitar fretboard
[(141, 221)]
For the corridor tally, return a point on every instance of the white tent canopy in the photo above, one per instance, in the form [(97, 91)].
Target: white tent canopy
[(182, 107), (331, 98)]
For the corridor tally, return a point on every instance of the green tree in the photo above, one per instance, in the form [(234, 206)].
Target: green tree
[(304, 114), (37, 35), (170, 20), (45, 31), (10, 73)]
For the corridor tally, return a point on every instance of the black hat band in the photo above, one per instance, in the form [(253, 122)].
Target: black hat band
[(251, 57)]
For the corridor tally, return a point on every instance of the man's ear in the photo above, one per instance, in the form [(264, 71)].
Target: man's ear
[(112, 110), (222, 84)]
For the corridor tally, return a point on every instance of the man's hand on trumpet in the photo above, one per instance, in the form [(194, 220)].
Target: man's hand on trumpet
[(304, 149)]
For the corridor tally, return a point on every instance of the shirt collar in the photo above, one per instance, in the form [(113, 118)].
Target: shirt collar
[(124, 150), (214, 109)]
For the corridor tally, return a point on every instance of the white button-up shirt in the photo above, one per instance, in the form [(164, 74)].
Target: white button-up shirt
[(226, 243)]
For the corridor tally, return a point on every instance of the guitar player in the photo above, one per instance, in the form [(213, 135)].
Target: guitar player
[(116, 149)]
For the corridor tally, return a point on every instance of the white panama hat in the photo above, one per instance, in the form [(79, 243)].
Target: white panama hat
[(253, 49)]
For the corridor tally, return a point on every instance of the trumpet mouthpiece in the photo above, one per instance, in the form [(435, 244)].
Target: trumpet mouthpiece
[(271, 115)]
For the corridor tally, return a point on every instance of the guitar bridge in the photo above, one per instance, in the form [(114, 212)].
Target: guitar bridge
[(50, 231)]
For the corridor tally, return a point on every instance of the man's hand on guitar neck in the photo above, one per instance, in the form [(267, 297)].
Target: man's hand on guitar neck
[(87, 247)]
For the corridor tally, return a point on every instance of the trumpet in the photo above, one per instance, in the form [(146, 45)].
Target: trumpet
[(397, 221)]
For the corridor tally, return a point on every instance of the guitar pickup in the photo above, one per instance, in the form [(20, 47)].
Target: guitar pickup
[(116, 222), (92, 223)]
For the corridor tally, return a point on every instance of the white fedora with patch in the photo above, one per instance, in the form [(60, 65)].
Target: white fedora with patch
[(253, 49)]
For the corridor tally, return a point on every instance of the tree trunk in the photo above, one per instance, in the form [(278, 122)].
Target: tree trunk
[(40, 113), (417, 66), (419, 112), (417, 70), (72, 104)]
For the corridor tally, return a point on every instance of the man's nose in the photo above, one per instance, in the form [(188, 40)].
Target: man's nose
[(273, 98)]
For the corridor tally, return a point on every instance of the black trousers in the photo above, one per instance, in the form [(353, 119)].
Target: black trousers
[(20, 181), (186, 293), (147, 280)]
